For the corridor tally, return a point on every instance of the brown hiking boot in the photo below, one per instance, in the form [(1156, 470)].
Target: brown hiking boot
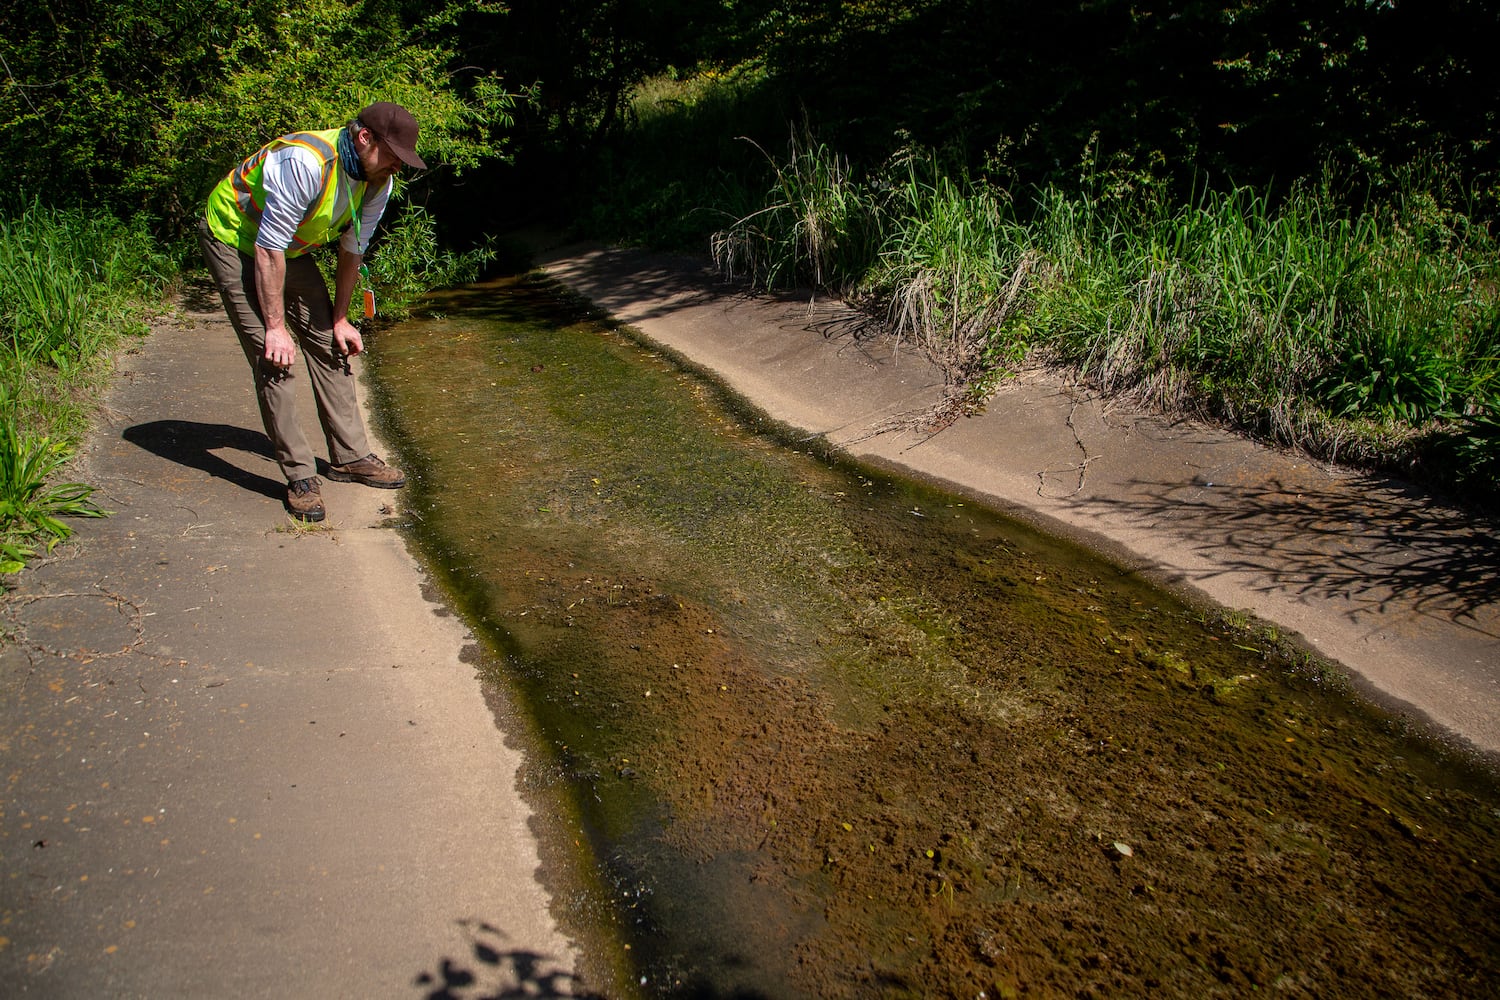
[(369, 470), (304, 500)]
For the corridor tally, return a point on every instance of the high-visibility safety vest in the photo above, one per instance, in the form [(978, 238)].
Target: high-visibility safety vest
[(236, 204)]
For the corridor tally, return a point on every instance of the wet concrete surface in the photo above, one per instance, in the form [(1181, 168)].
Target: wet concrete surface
[(839, 734)]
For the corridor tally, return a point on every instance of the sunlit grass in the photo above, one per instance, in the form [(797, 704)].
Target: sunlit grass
[(31, 502), (955, 267), (819, 225), (1369, 334), (1306, 322), (72, 284)]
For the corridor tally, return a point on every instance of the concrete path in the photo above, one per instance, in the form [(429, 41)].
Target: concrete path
[(1401, 588), (243, 760)]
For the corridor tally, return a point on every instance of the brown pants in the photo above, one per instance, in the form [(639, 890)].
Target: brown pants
[(309, 317)]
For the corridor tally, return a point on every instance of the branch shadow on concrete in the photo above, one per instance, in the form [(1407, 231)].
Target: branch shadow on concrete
[(847, 323), (668, 283), (493, 972), (1381, 550), (193, 444)]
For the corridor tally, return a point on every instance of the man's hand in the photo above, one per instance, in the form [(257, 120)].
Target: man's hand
[(346, 338), (281, 349)]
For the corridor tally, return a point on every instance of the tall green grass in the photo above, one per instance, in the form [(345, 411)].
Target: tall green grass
[(32, 503), (819, 225), (954, 267), (1365, 333), (68, 282), (72, 284), (1316, 325)]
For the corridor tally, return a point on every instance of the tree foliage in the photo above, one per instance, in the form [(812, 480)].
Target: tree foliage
[(125, 103), (1256, 91), (89, 83), (131, 102), (583, 58)]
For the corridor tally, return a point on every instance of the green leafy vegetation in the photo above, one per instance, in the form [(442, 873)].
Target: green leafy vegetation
[(31, 505), (411, 263), (72, 285), (161, 98), (1365, 335)]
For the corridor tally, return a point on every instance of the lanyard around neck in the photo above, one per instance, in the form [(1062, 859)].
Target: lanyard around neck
[(355, 209)]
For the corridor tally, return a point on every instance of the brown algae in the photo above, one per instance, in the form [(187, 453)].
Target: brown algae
[(833, 734)]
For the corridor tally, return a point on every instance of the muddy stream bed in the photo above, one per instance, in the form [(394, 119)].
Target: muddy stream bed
[(830, 734)]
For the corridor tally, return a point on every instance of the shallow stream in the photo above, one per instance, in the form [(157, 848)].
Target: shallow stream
[(831, 734)]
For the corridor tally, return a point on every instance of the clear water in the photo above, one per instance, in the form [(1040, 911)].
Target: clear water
[(829, 733)]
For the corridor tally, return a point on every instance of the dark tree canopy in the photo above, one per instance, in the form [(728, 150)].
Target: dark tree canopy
[(1255, 91), (1258, 91)]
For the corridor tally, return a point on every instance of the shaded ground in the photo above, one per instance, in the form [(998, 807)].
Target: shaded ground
[(839, 736)]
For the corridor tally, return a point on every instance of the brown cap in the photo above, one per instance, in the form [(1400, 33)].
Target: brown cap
[(395, 125)]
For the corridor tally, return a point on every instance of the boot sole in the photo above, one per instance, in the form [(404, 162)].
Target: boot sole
[(308, 515), (344, 477)]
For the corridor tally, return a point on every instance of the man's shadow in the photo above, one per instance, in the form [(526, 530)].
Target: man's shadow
[(190, 443)]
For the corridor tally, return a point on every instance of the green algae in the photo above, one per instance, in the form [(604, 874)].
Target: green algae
[(835, 734)]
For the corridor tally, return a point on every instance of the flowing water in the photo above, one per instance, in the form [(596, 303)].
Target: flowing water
[(831, 734)]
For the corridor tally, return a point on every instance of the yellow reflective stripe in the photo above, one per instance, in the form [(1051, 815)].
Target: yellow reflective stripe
[(310, 141)]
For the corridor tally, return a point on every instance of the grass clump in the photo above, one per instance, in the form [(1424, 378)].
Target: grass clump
[(31, 504), (955, 268), (1366, 334), (71, 286), (819, 225), (1350, 334), (70, 283)]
